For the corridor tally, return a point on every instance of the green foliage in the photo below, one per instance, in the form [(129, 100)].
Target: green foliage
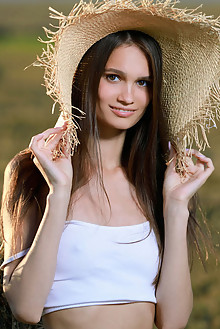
[(25, 111)]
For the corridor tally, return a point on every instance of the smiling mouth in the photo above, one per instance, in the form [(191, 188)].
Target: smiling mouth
[(122, 110)]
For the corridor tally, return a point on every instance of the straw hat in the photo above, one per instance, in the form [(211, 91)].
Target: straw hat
[(190, 48)]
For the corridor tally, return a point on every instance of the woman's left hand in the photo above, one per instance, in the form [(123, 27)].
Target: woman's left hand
[(181, 189)]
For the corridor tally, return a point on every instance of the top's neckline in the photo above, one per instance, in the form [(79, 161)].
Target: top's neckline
[(83, 223)]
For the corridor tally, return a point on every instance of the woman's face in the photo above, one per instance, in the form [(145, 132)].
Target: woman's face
[(125, 88)]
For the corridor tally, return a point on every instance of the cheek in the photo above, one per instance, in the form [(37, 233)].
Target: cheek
[(105, 91), (102, 90), (144, 98)]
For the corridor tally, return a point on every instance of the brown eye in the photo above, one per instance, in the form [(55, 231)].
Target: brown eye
[(112, 77), (143, 83)]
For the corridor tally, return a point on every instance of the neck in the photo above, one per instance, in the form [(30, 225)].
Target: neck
[(111, 144)]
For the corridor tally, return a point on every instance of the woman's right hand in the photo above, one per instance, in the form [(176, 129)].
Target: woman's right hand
[(57, 173)]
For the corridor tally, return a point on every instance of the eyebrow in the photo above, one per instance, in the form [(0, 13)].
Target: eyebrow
[(110, 70)]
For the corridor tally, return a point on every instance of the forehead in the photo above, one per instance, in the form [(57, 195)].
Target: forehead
[(129, 58)]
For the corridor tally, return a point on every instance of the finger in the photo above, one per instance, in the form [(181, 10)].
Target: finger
[(51, 131), (63, 128), (202, 159), (66, 152), (45, 134), (200, 165), (53, 140), (36, 162), (65, 148), (66, 141), (34, 140), (39, 140), (207, 164), (194, 153), (64, 145)]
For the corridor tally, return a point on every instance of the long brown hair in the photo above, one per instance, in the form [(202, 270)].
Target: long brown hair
[(142, 156)]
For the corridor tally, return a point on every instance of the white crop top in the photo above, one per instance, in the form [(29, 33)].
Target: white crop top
[(99, 265)]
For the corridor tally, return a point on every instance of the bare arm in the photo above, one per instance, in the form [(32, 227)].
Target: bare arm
[(28, 282), (174, 292)]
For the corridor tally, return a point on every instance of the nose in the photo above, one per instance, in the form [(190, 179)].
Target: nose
[(126, 94)]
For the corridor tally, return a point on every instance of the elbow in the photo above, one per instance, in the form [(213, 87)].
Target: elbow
[(173, 316), (172, 326), (21, 311), (176, 320), (26, 316), (175, 324)]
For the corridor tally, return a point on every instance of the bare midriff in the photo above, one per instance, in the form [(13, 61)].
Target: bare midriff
[(138, 315)]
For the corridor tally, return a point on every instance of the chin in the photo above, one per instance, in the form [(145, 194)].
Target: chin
[(122, 125)]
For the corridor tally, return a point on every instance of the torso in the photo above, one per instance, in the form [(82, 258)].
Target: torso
[(91, 206), (121, 316)]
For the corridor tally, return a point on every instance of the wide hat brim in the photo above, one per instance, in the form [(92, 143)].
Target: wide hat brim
[(190, 49)]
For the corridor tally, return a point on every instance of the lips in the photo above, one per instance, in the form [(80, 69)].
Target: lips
[(121, 112), (122, 109)]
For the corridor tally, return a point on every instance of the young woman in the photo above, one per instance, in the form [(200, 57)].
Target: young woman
[(101, 237)]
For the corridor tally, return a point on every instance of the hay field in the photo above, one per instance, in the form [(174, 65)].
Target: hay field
[(25, 111)]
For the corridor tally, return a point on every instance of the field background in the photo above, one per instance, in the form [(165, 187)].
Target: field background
[(25, 111)]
